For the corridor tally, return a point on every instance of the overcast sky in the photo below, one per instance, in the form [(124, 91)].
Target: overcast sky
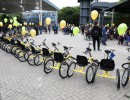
[(64, 3)]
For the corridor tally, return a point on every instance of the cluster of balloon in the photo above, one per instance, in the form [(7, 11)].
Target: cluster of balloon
[(33, 32), (10, 26), (122, 28), (15, 23), (5, 20), (1, 24), (48, 21), (94, 14)]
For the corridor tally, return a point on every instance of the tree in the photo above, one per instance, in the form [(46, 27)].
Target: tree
[(70, 15)]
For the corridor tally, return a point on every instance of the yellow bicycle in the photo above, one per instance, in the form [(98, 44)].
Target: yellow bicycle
[(80, 63), (58, 61), (106, 65)]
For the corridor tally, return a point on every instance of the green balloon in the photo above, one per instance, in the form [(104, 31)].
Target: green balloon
[(11, 21), (122, 29), (75, 30), (5, 20), (15, 18), (23, 28), (15, 23)]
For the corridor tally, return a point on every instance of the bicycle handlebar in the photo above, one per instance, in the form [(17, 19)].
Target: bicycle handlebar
[(128, 49)]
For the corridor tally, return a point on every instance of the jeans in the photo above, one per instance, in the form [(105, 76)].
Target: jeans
[(104, 39)]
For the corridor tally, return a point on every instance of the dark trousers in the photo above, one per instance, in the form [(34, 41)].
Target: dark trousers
[(94, 42)]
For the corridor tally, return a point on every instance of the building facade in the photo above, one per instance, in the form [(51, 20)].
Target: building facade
[(33, 16)]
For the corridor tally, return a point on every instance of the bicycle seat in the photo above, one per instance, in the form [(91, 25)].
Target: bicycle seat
[(66, 48), (107, 51), (54, 44), (128, 58), (89, 49)]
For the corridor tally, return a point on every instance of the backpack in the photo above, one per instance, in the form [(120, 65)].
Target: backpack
[(95, 32)]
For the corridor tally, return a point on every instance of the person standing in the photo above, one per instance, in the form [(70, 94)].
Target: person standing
[(96, 34), (104, 35), (49, 29), (83, 27)]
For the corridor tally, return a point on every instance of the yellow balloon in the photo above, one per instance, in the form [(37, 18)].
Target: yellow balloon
[(40, 23), (23, 32), (33, 32), (1, 24), (24, 23), (10, 26), (48, 21), (20, 24), (63, 24), (94, 14)]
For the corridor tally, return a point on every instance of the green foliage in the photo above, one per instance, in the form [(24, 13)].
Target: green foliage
[(70, 15), (10, 16), (121, 18)]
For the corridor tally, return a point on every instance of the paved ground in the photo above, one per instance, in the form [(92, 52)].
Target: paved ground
[(20, 81)]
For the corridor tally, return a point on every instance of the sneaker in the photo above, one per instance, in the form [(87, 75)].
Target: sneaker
[(99, 50), (94, 50)]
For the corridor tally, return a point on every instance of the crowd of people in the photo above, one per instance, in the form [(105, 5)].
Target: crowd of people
[(39, 29), (99, 34), (103, 33)]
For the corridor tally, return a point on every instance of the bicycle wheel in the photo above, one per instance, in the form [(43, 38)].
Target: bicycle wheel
[(125, 77), (95, 72), (38, 59), (71, 69), (21, 55), (26, 55), (48, 66), (89, 74), (13, 49), (16, 52), (63, 70), (8, 49), (31, 59), (118, 79)]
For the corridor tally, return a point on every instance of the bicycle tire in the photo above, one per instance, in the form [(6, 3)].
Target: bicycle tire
[(126, 77), (21, 57), (95, 72), (8, 49), (46, 69), (87, 72), (37, 59), (69, 69), (118, 78), (64, 66), (16, 52), (31, 61)]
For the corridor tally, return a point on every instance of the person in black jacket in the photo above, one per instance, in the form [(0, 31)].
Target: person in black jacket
[(96, 35)]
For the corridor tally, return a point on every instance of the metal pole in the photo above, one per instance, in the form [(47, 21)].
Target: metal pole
[(99, 20), (40, 11), (112, 17), (56, 17)]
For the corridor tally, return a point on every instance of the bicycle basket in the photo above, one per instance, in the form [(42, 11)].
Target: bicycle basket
[(82, 60), (58, 57), (45, 52), (18, 43), (107, 65), (33, 49), (22, 47)]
